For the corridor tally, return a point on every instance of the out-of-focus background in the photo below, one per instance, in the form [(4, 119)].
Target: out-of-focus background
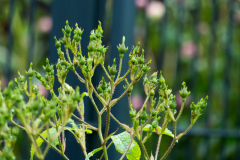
[(196, 41)]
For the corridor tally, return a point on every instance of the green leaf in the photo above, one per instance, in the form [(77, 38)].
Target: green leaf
[(121, 142), (166, 132), (44, 134), (90, 154)]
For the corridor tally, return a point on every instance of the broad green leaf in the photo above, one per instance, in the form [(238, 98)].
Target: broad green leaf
[(121, 142), (166, 132), (90, 154), (39, 140)]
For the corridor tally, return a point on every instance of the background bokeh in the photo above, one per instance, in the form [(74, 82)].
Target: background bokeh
[(196, 41)]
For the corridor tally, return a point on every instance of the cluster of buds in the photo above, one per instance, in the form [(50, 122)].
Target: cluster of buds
[(113, 69), (136, 63), (96, 49), (8, 138), (197, 109), (104, 89)]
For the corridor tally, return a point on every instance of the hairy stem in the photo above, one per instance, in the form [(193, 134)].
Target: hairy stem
[(158, 146)]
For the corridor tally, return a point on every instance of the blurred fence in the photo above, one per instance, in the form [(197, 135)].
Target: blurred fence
[(196, 41)]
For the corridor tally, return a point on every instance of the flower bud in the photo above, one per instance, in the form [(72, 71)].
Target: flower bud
[(183, 92), (57, 43), (68, 29), (30, 71), (21, 77), (173, 104), (154, 123), (122, 48), (132, 112)]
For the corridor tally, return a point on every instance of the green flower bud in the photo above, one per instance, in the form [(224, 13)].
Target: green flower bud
[(133, 60), (38, 75), (183, 92), (152, 93), (154, 123), (141, 59), (48, 67), (21, 77), (104, 84), (30, 72), (193, 106), (144, 114), (145, 80), (76, 96), (122, 48), (57, 43), (91, 47), (173, 104), (99, 89), (132, 112), (153, 112), (68, 29)]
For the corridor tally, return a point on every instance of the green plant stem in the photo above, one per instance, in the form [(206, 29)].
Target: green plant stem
[(180, 112), (124, 126), (87, 124), (158, 146), (129, 145), (145, 102), (130, 85), (169, 149), (55, 148), (150, 117), (80, 48), (98, 96), (68, 56), (107, 149), (108, 111), (108, 121), (122, 78), (37, 149), (144, 149), (79, 77), (110, 79), (48, 144), (81, 145), (100, 128), (120, 68)]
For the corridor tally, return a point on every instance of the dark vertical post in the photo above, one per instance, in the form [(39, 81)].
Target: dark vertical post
[(10, 41), (123, 25), (31, 31), (163, 35)]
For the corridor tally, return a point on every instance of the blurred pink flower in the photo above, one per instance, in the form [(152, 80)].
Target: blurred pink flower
[(178, 100), (188, 49), (137, 102), (45, 24), (155, 10), (43, 90), (141, 3)]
